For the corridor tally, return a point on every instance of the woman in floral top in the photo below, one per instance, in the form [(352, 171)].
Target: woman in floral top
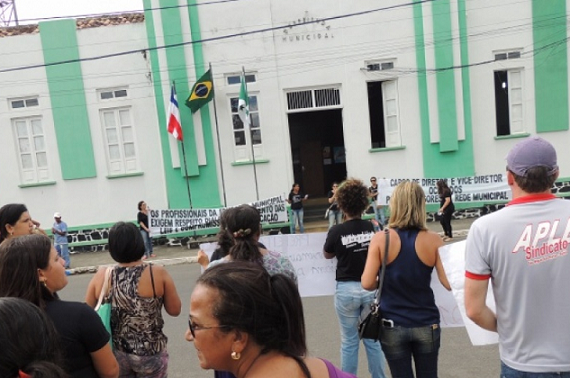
[(243, 223)]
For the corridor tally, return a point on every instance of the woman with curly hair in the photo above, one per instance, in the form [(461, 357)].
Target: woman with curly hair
[(349, 242), (243, 223)]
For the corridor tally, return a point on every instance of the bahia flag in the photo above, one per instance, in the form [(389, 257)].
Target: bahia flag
[(202, 92), (174, 125), (243, 104)]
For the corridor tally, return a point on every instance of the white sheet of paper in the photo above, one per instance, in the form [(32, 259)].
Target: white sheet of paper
[(316, 275), (453, 259)]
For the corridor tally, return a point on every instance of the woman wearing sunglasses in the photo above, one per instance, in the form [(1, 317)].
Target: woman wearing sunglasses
[(251, 324)]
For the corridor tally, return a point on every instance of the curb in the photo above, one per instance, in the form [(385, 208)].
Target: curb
[(163, 262)]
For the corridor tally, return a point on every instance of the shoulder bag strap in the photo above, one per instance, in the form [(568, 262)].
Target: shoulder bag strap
[(152, 281), (383, 267), (105, 288)]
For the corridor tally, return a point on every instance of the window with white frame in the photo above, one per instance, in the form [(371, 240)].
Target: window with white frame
[(243, 137), (22, 103), (383, 111), (509, 102), (119, 139), (236, 79), (31, 147), (109, 94)]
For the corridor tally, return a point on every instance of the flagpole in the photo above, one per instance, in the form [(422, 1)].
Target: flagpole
[(218, 137), (251, 140), (184, 159)]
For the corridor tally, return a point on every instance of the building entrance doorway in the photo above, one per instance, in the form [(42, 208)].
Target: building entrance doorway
[(317, 148)]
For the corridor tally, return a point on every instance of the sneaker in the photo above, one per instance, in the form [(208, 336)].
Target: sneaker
[(447, 238), (152, 255), (144, 257)]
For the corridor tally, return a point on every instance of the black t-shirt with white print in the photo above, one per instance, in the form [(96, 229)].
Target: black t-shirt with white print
[(349, 242)]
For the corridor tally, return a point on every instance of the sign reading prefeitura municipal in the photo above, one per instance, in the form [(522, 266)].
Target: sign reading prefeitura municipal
[(169, 221), (307, 29), (484, 188)]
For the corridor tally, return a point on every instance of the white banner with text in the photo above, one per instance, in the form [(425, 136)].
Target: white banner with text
[(317, 275), (465, 189), (169, 221)]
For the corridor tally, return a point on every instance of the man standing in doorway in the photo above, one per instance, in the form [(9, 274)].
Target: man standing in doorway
[(378, 210), (59, 231), (523, 250)]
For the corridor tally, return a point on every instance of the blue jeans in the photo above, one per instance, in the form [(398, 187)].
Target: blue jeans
[(297, 218), (401, 343), (508, 372), (350, 300), (379, 215), (63, 251), (335, 217), (147, 243)]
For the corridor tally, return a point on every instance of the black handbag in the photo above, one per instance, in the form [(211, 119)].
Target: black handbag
[(370, 322)]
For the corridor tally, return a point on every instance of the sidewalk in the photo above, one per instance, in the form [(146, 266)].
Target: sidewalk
[(89, 262)]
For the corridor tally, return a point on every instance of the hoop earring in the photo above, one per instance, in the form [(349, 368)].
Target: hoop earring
[(236, 356)]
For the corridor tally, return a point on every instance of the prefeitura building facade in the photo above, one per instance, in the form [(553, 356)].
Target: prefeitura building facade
[(337, 89)]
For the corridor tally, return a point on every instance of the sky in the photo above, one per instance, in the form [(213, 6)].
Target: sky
[(30, 9)]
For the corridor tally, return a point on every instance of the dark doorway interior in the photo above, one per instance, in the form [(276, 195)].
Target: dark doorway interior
[(317, 146), (502, 103), (376, 110)]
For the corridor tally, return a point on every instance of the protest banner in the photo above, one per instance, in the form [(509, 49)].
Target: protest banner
[(453, 259), (170, 221), (485, 188), (317, 275)]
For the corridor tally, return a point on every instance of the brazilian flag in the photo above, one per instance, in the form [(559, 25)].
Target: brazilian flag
[(202, 92)]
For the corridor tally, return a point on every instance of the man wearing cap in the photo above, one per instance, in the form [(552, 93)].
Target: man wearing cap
[(59, 231), (523, 249)]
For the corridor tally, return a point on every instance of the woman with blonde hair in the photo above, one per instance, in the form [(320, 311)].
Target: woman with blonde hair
[(410, 325)]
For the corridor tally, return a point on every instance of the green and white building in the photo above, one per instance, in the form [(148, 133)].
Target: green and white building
[(392, 89)]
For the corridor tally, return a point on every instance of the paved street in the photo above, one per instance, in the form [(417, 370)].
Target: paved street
[(457, 357)]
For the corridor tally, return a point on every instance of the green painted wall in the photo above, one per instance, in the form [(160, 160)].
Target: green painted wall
[(67, 96), (177, 72), (203, 179), (175, 184), (549, 26), (450, 157), (207, 187), (446, 103)]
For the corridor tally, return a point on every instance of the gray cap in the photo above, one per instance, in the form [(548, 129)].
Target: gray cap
[(532, 152)]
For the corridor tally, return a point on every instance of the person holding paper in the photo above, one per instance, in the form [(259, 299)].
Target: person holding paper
[(334, 213), (142, 220), (522, 250), (296, 198), (348, 242), (410, 317)]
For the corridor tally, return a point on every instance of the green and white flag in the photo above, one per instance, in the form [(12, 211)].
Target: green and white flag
[(243, 104)]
